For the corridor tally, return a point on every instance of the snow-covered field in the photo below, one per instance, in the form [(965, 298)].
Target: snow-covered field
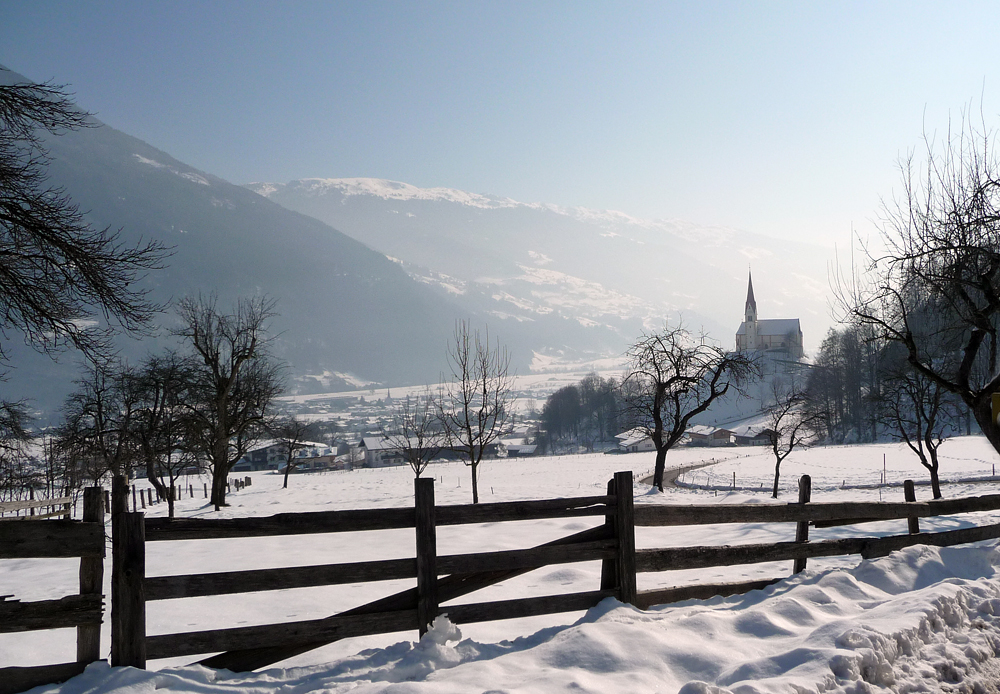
[(923, 619)]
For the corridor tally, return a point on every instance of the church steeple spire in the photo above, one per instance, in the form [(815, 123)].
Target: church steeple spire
[(751, 302)]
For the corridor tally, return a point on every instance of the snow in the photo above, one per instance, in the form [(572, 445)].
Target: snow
[(923, 619)]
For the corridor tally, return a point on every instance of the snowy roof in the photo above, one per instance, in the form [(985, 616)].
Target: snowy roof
[(638, 436), (773, 326), (631, 433), (705, 430)]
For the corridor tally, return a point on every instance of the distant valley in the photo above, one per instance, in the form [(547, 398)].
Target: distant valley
[(371, 275), (551, 271)]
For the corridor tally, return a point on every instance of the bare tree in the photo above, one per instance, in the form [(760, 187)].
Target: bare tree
[(157, 425), (476, 405), (790, 424), (292, 434), (941, 241), (59, 277), (918, 412), (671, 377), (14, 434), (15, 477), (99, 416), (415, 430), (232, 384)]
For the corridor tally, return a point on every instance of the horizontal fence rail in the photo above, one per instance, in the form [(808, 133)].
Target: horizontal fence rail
[(843, 513), (51, 539), (165, 529), (63, 509)]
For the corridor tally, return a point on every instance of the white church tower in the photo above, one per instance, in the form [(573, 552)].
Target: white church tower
[(751, 318), (780, 337)]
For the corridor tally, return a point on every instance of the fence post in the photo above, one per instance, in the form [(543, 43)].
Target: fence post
[(802, 527), (88, 638), (128, 593), (910, 494), (427, 601), (625, 537), (608, 573)]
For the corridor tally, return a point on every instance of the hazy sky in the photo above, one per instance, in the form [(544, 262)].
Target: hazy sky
[(781, 118)]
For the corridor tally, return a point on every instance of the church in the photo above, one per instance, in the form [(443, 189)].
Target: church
[(779, 337)]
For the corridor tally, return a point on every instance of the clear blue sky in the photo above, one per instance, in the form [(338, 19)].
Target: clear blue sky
[(781, 118)]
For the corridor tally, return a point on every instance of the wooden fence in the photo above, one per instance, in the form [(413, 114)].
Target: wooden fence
[(84, 610), (612, 542), (440, 579), (60, 507)]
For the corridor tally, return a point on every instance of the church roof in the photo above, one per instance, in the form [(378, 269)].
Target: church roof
[(750, 300), (773, 326)]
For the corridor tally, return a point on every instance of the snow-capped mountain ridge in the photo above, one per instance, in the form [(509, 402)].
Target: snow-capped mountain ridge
[(608, 274), (398, 190)]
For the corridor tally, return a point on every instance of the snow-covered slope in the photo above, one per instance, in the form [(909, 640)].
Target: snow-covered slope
[(607, 271)]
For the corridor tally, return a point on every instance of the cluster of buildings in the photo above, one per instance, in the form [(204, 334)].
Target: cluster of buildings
[(638, 440), (373, 451)]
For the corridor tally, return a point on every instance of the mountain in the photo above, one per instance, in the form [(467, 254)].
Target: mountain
[(344, 308), (611, 274)]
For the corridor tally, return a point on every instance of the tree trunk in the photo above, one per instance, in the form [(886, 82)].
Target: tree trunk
[(935, 484), (661, 464), (218, 487), (170, 500), (983, 413), (475, 483), (777, 476), (154, 479), (288, 468)]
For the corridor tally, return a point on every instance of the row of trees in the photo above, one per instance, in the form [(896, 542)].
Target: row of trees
[(585, 413), (199, 407)]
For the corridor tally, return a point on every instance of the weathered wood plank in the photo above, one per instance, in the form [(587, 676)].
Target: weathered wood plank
[(652, 560), (253, 580), (524, 607), (9, 506), (532, 558), (449, 588), (159, 529), (802, 527), (650, 515), (910, 494), (62, 513), (540, 509), (609, 577), (70, 611), (279, 635), (662, 596), (20, 679), (51, 539), (88, 638), (426, 531), (128, 600), (625, 538)]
